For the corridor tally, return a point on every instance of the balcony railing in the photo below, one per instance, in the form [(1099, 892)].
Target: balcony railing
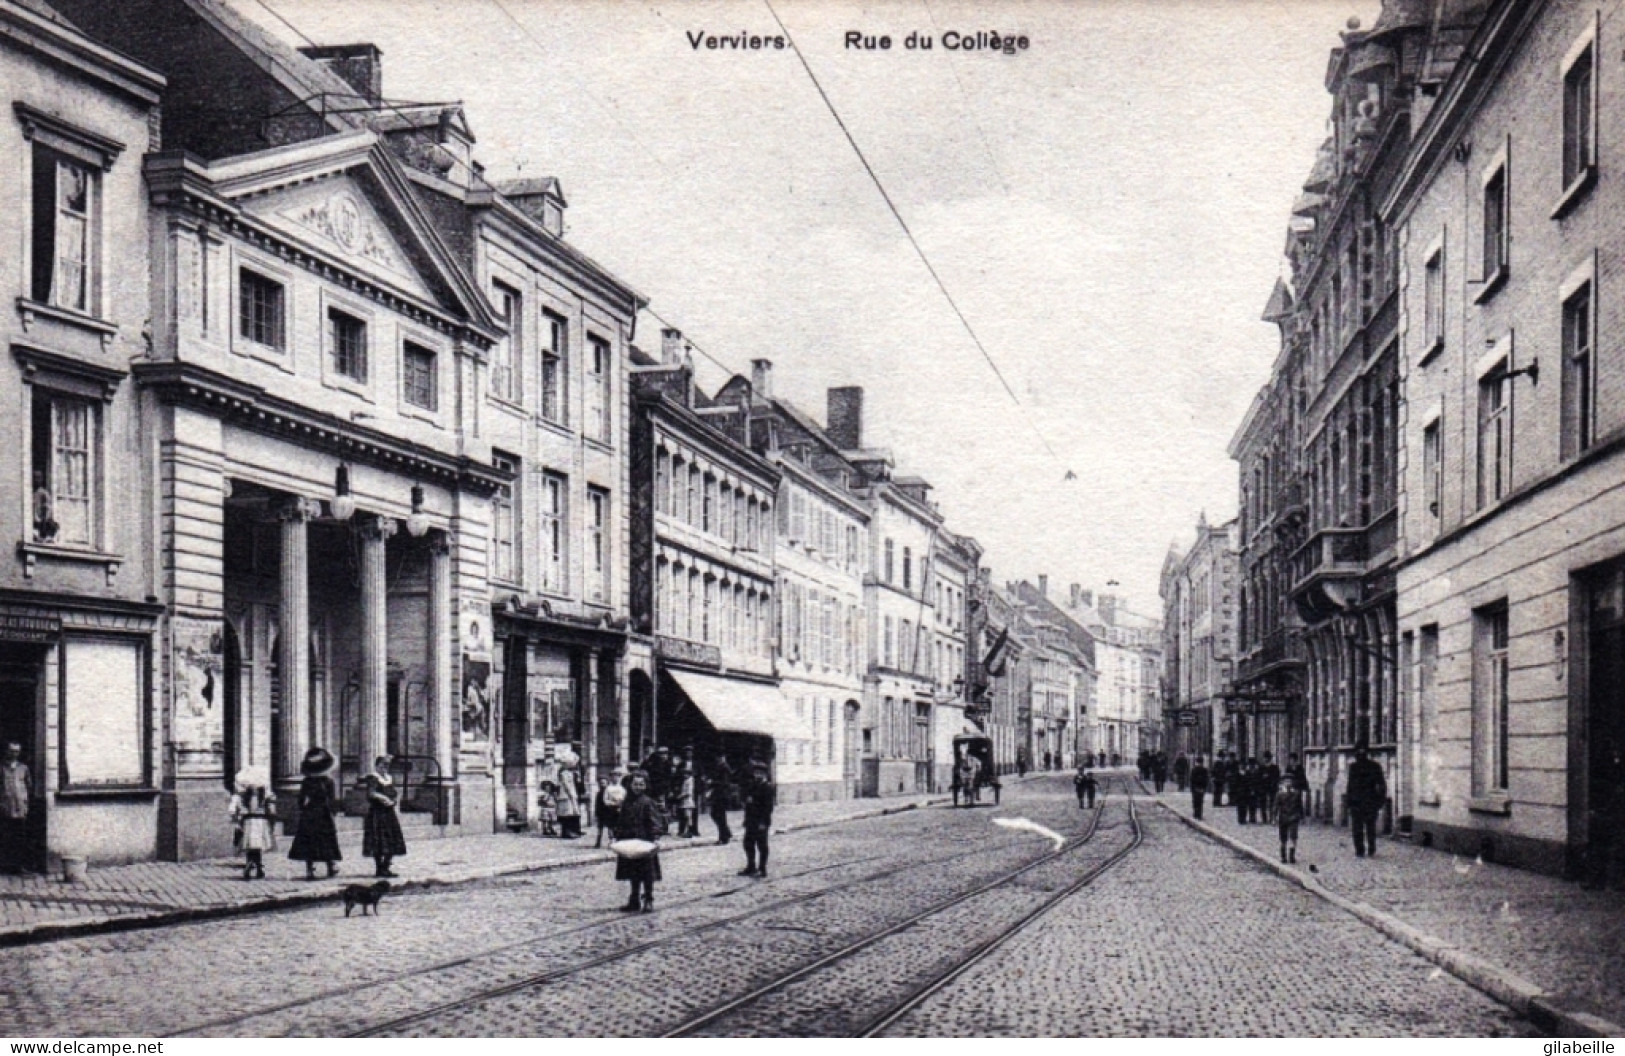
[(1330, 553)]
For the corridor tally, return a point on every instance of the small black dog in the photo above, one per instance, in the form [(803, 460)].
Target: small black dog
[(364, 895)]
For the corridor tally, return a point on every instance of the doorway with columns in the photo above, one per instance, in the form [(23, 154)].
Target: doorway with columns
[(338, 635)]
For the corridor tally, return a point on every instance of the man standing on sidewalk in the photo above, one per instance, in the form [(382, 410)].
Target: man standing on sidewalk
[(1367, 792), (1198, 779), (760, 798), (15, 791), (1269, 782)]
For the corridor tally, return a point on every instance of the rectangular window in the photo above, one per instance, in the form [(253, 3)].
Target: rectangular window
[(64, 231), (1433, 300), (104, 712), (1579, 101), (708, 504), (1579, 381), (555, 493), (1491, 712), (1433, 469), (64, 449), (505, 524), (891, 643), (908, 569), (1494, 435), (889, 550), (600, 375), (507, 356), (1495, 224), (598, 545), (347, 340), (555, 360), (419, 380), (261, 310)]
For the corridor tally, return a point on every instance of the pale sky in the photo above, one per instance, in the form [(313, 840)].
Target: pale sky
[(1107, 208)]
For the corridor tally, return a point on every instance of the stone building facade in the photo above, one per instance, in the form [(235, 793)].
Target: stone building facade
[(1510, 609), (81, 634), (1199, 592)]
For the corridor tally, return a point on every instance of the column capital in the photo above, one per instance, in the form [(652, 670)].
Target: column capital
[(297, 508), (440, 544), (375, 526)]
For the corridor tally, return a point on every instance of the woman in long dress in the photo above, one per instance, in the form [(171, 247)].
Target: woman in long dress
[(639, 819), (381, 836), (316, 839)]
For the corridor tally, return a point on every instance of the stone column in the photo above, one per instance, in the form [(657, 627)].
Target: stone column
[(445, 714), (374, 532), (589, 734), (293, 618)]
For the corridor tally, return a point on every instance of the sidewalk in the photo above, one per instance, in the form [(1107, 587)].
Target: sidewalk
[(39, 908), (1542, 945)]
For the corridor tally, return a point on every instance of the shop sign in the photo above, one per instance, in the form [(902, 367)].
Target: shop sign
[(1188, 717), (687, 652), (15, 627), (1258, 706)]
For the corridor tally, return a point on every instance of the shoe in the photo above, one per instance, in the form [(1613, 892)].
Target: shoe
[(630, 907), (747, 871), (761, 874), (1359, 854), (648, 904), (259, 872), (1292, 856)]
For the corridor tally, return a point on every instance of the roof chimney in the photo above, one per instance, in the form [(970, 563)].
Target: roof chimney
[(844, 419), (360, 66), (1077, 595), (761, 377), (672, 346), (1043, 584)]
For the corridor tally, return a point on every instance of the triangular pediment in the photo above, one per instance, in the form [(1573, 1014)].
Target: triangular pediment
[(344, 199), (341, 216)]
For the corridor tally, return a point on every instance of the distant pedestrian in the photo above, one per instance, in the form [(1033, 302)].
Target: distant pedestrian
[(719, 796), (253, 811), (1300, 780), (381, 836), (1182, 771), (16, 795), (606, 808), (1288, 813), (315, 838), (1241, 792), (1159, 770), (640, 818), (688, 815), (1367, 793), (760, 798), (1257, 791), (1269, 780), (547, 808), (1084, 784), (1021, 762), (1220, 777), (1199, 782), (569, 795)]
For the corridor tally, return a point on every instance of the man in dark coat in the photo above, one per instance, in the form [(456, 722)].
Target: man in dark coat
[(718, 797), (1367, 792), (1220, 777), (1198, 779), (658, 772), (1159, 770), (760, 797), (1182, 771), (1241, 792), (1300, 779), (1269, 783)]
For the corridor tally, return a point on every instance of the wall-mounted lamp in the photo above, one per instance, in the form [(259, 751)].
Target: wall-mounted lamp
[(343, 502), (1533, 370), (417, 522)]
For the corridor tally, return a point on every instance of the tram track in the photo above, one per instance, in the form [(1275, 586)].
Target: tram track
[(402, 1023), (712, 1022)]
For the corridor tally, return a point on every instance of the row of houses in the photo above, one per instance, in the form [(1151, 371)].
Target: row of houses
[(328, 439), (1430, 551)]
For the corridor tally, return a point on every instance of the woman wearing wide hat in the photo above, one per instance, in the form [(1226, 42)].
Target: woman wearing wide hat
[(381, 836), (316, 839)]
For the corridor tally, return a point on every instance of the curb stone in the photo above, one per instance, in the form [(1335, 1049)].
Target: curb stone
[(327, 891), (1517, 993)]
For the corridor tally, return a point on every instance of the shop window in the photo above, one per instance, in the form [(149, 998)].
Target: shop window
[(103, 713)]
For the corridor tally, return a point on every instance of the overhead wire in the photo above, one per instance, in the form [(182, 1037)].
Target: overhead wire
[(919, 250)]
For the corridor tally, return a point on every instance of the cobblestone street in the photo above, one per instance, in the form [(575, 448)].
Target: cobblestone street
[(1154, 946)]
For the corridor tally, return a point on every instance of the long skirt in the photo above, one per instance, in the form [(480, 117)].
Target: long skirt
[(638, 868), (381, 834), (316, 839)]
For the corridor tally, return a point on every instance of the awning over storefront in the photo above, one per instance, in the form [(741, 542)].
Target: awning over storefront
[(734, 706)]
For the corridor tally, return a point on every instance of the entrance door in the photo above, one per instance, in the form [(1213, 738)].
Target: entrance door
[(1605, 733), (19, 723), (515, 726)]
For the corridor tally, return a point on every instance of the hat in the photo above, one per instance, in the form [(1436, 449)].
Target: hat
[(317, 761), (253, 777)]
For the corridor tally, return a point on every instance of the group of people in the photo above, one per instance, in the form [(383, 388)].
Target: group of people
[(653, 793), (315, 838), (1264, 792)]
